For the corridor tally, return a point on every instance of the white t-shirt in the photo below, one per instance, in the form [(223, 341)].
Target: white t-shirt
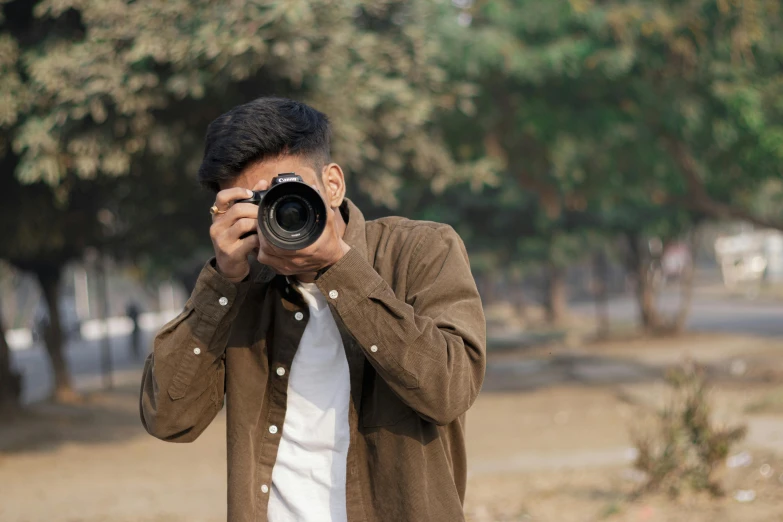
[(308, 479)]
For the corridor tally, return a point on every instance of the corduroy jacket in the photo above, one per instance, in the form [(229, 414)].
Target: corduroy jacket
[(413, 329)]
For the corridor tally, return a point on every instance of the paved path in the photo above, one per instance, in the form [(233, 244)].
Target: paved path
[(708, 315), (84, 361)]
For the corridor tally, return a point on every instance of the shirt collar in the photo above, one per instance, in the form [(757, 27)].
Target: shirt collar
[(355, 231)]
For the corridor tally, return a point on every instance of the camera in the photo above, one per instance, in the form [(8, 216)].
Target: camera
[(291, 213)]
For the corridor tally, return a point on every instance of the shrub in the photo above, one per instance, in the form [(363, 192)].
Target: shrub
[(686, 449)]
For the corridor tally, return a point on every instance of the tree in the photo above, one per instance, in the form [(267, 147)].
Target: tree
[(619, 108), (93, 84), (530, 118), (49, 233), (10, 380), (705, 94), (94, 91)]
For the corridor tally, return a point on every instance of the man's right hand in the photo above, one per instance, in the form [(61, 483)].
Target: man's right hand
[(231, 250)]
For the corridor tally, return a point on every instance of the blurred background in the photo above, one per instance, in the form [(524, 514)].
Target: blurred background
[(614, 168)]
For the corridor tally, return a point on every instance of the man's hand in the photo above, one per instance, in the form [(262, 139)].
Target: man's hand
[(231, 250), (326, 251)]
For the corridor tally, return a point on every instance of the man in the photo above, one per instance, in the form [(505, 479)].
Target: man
[(348, 365)]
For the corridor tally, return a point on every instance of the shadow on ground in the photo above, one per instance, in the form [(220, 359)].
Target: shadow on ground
[(108, 417), (529, 374), (104, 417), (508, 373)]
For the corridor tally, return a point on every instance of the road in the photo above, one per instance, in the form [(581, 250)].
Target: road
[(708, 315), (84, 362)]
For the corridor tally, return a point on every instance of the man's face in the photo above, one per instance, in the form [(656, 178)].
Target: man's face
[(330, 181), (269, 169)]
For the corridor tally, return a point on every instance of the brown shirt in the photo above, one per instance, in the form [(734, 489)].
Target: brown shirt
[(413, 328)]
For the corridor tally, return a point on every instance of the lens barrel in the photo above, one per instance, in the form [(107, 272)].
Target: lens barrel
[(292, 215)]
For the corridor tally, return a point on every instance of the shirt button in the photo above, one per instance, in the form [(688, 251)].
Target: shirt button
[(333, 294), (373, 348), (197, 350), (299, 316), (281, 371), (223, 301), (272, 429), (264, 489)]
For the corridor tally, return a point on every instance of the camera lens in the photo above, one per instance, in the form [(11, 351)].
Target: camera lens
[(291, 215)]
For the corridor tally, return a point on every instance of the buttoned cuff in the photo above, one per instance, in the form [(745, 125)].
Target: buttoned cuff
[(349, 281), (215, 297)]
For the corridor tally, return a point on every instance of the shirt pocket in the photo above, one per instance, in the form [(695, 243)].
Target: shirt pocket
[(380, 405)]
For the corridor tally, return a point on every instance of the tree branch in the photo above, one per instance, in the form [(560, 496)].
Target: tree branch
[(699, 199)]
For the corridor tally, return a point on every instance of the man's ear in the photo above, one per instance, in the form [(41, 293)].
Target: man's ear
[(334, 182)]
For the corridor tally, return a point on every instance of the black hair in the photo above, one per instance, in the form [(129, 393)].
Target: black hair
[(264, 128)]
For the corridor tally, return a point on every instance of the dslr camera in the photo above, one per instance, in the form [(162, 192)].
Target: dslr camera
[(291, 213)]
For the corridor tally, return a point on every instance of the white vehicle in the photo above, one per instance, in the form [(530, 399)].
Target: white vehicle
[(750, 257)]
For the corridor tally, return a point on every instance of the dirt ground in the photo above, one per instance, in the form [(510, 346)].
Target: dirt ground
[(548, 441)]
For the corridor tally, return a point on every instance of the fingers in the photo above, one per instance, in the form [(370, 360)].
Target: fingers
[(228, 229), (261, 185), (284, 262), (282, 266), (224, 222), (229, 241), (240, 227), (287, 264), (248, 245), (224, 198), (231, 253), (275, 251), (232, 212), (267, 251)]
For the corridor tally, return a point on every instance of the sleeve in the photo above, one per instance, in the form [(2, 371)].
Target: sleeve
[(431, 347), (183, 383)]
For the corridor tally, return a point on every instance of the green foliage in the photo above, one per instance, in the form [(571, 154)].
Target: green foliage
[(538, 129), (555, 123), (625, 104), (43, 233), (616, 117), (90, 86), (118, 94), (687, 449)]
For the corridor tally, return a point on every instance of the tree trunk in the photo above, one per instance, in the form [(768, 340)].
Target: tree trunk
[(686, 287), (686, 299), (521, 304), (556, 294), (601, 278), (650, 318), (103, 291), (639, 265), (49, 279), (10, 381)]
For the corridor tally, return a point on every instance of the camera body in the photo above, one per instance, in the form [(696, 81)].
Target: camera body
[(291, 213)]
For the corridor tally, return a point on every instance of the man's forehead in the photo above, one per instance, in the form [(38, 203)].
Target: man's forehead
[(268, 169), (272, 167)]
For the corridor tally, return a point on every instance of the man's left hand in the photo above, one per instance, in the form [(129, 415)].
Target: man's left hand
[(326, 251)]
